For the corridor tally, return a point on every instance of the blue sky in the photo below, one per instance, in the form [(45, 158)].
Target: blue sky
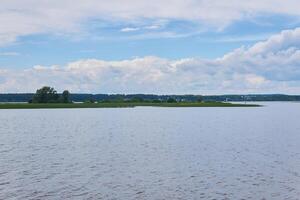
[(109, 42), (47, 36)]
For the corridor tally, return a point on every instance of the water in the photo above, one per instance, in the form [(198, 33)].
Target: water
[(151, 153)]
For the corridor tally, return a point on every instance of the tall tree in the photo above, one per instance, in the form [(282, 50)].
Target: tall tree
[(45, 95), (65, 96)]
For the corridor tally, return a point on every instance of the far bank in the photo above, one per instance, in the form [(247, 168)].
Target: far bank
[(119, 105)]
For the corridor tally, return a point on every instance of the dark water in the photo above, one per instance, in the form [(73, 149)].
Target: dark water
[(151, 153)]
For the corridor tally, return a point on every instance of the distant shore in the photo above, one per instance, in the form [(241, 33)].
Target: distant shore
[(119, 105), (25, 97)]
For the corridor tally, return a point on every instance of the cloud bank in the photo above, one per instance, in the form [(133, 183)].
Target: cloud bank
[(28, 17), (269, 66)]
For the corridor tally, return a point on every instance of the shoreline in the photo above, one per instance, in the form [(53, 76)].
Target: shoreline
[(119, 105)]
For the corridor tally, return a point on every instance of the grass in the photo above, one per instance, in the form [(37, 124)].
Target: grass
[(119, 105)]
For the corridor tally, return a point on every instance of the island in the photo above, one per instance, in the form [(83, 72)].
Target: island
[(47, 98)]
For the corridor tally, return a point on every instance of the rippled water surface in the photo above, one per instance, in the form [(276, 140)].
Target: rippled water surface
[(151, 153)]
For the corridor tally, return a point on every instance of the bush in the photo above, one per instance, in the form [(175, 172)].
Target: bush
[(156, 101), (48, 94), (171, 100)]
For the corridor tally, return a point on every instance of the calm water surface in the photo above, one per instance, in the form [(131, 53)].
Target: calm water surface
[(151, 153)]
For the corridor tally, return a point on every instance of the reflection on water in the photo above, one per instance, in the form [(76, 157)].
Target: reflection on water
[(151, 153)]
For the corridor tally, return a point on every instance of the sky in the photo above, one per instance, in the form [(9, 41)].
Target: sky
[(157, 47)]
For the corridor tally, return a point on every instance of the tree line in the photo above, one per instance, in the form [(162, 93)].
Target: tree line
[(28, 97), (49, 95)]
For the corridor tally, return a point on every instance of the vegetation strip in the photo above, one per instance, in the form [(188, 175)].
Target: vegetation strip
[(47, 97), (117, 105)]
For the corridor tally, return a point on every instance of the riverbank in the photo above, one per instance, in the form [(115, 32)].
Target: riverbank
[(120, 105)]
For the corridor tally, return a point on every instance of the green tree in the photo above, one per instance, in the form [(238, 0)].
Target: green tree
[(137, 99), (199, 98), (45, 95), (89, 101), (156, 101), (171, 100), (65, 96)]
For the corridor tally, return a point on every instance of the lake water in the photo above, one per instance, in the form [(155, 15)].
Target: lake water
[(151, 153)]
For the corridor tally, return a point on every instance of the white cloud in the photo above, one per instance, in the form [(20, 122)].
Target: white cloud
[(129, 29), (152, 27), (269, 66), (9, 54), (27, 17), (252, 38), (157, 25), (278, 42)]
